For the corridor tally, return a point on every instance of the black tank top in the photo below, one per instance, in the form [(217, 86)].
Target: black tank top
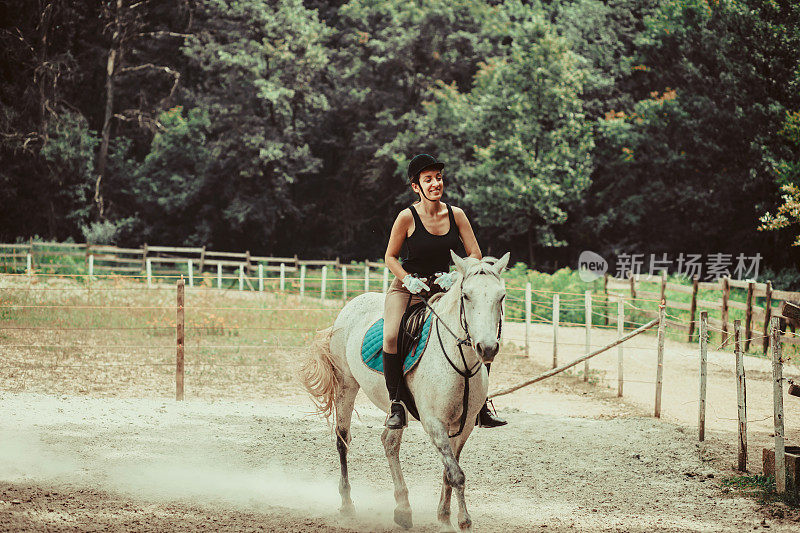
[(427, 254)]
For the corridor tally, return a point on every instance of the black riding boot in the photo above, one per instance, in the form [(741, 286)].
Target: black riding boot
[(487, 419), (393, 372)]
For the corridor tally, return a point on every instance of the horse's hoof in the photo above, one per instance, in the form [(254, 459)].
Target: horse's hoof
[(402, 518), (445, 527), (465, 525), (347, 509)]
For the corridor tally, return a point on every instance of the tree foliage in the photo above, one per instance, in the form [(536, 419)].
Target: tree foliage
[(284, 126)]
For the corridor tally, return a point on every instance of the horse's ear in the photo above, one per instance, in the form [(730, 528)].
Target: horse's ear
[(502, 263), (460, 263)]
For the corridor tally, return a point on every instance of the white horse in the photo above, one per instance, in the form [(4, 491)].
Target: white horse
[(472, 310)]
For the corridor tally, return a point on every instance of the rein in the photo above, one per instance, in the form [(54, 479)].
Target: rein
[(467, 373)]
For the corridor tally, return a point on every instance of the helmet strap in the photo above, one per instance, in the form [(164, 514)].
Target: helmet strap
[(422, 191)]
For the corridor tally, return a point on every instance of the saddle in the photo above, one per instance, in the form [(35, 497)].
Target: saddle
[(412, 339), (411, 328), (408, 338)]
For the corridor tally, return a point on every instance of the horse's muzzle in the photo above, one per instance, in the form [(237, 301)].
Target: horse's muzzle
[(487, 351)]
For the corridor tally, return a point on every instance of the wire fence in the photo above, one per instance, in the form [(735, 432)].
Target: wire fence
[(113, 322)]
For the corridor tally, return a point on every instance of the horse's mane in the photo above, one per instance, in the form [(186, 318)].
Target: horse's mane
[(448, 301)]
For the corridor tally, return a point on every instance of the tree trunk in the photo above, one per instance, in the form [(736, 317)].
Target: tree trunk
[(102, 157), (530, 247)]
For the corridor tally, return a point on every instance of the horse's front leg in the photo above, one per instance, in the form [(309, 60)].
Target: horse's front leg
[(391, 444), (447, 489), (453, 475)]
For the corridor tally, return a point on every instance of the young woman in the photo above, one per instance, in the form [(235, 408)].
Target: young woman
[(429, 229)]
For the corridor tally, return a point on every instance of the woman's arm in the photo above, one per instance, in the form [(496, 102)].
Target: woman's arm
[(396, 239), (466, 234)]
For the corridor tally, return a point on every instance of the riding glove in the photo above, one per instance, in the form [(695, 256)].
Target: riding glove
[(445, 279), (414, 284)]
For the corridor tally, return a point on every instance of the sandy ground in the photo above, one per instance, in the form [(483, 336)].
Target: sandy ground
[(680, 390), (574, 456), (85, 464)]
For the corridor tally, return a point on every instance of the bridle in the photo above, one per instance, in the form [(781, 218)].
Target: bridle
[(468, 372)]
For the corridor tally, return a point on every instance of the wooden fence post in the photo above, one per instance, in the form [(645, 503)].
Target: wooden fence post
[(620, 332), (587, 300), (344, 283), (149, 272), (366, 278), (701, 414), (777, 398), (726, 289), (741, 396), (91, 266), (261, 277), (144, 256), (748, 329), (527, 319), (29, 267), (283, 276), (767, 315), (660, 369), (633, 284), (180, 348), (385, 280), (556, 320), (693, 307), (302, 280), (219, 276), (190, 269), (241, 277), (324, 283), (664, 286)]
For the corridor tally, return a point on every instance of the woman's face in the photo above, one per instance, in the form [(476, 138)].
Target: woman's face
[(431, 183)]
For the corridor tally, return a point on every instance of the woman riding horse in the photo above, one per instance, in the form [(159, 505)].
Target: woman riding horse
[(430, 229)]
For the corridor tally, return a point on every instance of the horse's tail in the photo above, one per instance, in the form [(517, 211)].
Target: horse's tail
[(320, 373)]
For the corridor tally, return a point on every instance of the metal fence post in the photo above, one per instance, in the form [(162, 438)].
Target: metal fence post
[(556, 320), (324, 280), (588, 312)]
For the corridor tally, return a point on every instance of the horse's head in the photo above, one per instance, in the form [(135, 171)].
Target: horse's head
[(482, 293)]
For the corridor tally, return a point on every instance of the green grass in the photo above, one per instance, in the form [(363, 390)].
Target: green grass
[(759, 486)]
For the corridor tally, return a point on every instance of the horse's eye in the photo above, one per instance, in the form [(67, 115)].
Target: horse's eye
[(466, 297)]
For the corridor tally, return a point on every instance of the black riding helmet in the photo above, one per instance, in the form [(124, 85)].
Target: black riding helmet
[(419, 163), (422, 162)]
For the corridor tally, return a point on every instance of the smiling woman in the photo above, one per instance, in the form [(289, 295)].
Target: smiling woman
[(430, 229)]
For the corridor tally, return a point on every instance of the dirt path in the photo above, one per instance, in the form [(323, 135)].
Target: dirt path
[(680, 393), (79, 463)]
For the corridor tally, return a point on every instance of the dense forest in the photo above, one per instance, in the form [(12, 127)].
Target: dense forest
[(284, 127)]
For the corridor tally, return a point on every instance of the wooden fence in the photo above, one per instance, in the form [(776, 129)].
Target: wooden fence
[(762, 302)]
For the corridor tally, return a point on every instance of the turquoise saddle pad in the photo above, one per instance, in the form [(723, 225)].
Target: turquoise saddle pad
[(372, 347)]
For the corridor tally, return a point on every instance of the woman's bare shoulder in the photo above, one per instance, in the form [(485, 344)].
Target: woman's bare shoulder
[(404, 219), (459, 213)]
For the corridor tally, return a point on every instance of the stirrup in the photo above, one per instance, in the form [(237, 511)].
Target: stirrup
[(403, 414), (490, 419)]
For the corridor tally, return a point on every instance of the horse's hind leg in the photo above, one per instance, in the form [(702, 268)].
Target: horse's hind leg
[(391, 444), (344, 412)]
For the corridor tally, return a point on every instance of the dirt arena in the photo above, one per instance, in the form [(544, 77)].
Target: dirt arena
[(573, 457), (92, 439)]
